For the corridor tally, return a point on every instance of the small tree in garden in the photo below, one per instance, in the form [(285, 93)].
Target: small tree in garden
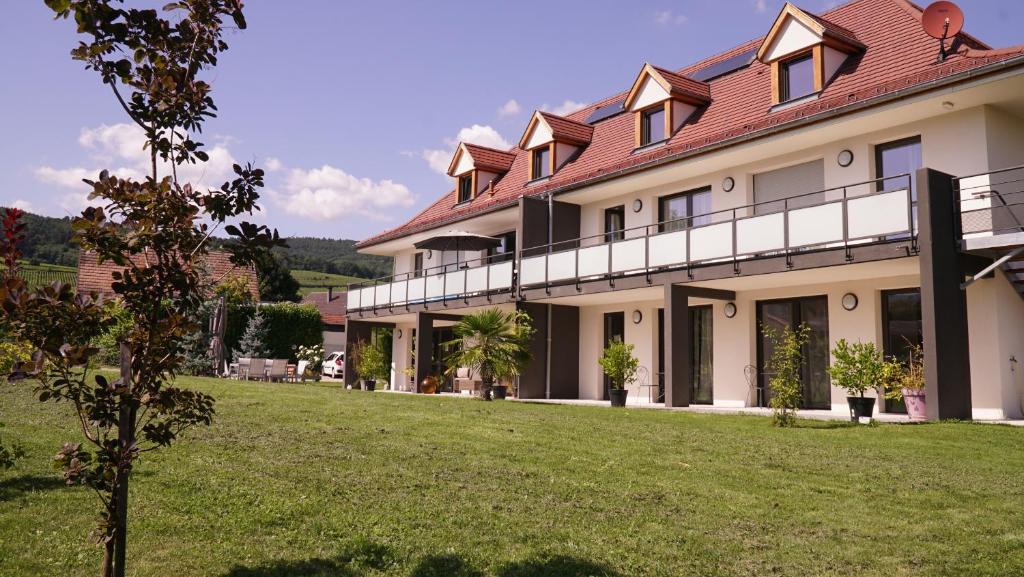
[(860, 367), (619, 364), (157, 230), (253, 344), (492, 344), (784, 365)]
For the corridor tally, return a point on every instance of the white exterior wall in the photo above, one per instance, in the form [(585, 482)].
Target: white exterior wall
[(793, 36)]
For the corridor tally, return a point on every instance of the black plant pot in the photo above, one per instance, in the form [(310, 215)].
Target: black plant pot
[(499, 391), (369, 385), (618, 397), (860, 407)]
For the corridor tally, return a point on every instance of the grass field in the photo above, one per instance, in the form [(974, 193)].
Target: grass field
[(311, 480), (312, 281)]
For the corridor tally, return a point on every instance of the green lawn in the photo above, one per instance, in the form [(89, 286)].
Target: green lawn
[(312, 281), (311, 480)]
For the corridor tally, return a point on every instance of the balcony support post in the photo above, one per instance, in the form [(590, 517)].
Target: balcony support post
[(947, 367), (677, 346)]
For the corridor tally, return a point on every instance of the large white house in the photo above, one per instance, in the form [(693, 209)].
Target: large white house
[(841, 171)]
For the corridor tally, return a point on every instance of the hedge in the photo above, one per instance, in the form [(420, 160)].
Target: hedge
[(289, 326)]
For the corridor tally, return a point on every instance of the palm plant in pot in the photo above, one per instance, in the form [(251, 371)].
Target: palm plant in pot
[(908, 384), (619, 364), (493, 344), (858, 368)]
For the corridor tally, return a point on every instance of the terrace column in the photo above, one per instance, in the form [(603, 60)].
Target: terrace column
[(355, 331), (677, 347), (424, 346), (947, 367)]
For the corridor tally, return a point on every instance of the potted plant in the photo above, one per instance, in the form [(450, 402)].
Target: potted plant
[(857, 368), (908, 384), (621, 366), (492, 344), (314, 357), (373, 364)]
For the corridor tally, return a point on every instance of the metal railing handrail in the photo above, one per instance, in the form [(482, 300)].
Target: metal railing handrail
[(990, 172), (434, 270)]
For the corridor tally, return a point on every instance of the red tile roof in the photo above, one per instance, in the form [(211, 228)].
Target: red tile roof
[(836, 31), (489, 159), (569, 131), (332, 306), (685, 86), (899, 56), (94, 277)]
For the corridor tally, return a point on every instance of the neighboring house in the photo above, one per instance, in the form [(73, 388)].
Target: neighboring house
[(835, 172), (94, 277), (332, 307)]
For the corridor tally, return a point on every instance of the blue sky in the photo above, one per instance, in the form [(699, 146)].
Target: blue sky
[(354, 106)]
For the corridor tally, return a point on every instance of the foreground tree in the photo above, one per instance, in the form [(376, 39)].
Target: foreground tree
[(159, 230), (492, 344)]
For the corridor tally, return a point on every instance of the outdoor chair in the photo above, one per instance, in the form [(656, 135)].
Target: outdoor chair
[(278, 370), (257, 369), (465, 381), (242, 371)]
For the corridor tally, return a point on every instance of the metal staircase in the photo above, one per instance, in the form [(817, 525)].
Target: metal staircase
[(992, 222)]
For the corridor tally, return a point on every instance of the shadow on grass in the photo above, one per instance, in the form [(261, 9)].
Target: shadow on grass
[(822, 424), (559, 565), (355, 560), (444, 566), (11, 488)]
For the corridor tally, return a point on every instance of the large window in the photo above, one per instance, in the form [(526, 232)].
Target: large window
[(614, 223), (652, 125), (466, 187), (506, 250), (417, 264), (541, 159), (684, 210), (902, 330), (893, 159), (775, 315), (796, 78)]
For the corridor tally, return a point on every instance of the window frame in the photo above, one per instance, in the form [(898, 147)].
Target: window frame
[(538, 164), (417, 264), (785, 93), (645, 124), (493, 256), (688, 220), (881, 148), (465, 181), (616, 235)]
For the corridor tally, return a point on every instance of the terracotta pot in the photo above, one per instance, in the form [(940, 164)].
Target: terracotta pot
[(914, 400), (428, 386)]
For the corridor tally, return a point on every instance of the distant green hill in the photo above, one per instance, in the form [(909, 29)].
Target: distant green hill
[(313, 281), (48, 240)]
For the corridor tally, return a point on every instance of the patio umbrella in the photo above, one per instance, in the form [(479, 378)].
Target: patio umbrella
[(218, 320), (459, 240)]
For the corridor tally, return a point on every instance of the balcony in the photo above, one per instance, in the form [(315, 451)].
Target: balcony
[(463, 279), (873, 211)]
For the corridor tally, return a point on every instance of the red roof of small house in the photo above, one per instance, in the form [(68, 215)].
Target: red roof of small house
[(332, 305), (94, 277), (567, 130), (899, 57), (489, 159)]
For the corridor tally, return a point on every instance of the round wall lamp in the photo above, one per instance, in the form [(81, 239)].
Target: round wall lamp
[(638, 205), (637, 317), (845, 158), (728, 184), (849, 301), (730, 310), (398, 333)]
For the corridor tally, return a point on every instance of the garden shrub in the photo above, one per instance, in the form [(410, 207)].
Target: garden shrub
[(109, 341), (784, 365), (290, 326), (12, 352)]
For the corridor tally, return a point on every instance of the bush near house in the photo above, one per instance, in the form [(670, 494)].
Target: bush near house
[(289, 326)]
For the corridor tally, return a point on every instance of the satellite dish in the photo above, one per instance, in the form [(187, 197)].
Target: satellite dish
[(942, 20)]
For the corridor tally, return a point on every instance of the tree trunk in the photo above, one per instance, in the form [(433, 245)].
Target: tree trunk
[(125, 439), (488, 383), (107, 569)]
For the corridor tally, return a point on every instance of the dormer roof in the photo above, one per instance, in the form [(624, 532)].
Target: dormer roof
[(826, 31), (475, 157), (558, 129), (675, 85)]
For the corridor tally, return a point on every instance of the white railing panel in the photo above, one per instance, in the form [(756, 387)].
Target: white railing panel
[(398, 291), (476, 279), (353, 299), (501, 275), (761, 234), (366, 296), (816, 225), (435, 286), (562, 265), (383, 294), (628, 255), (593, 260), (532, 270), (667, 248), (712, 241), (878, 214), (417, 288), (454, 282)]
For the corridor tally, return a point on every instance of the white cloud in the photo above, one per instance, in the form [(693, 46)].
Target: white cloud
[(667, 17), (510, 108), (439, 159), (273, 164), (327, 192), (567, 107), (760, 6), (22, 205)]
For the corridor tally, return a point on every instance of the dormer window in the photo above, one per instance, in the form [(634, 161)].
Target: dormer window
[(466, 187), (796, 77), (540, 162), (652, 125)]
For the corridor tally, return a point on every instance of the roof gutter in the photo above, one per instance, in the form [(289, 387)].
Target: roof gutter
[(894, 96)]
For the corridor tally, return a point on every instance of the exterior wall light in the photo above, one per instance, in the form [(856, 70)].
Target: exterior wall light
[(730, 310), (638, 205), (845, 158), (728, 183), (637, 317), (849, 301)]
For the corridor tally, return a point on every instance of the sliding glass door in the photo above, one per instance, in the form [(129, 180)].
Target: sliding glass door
[(701, 362), (901, 331), (777, 314), (614, 329)]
